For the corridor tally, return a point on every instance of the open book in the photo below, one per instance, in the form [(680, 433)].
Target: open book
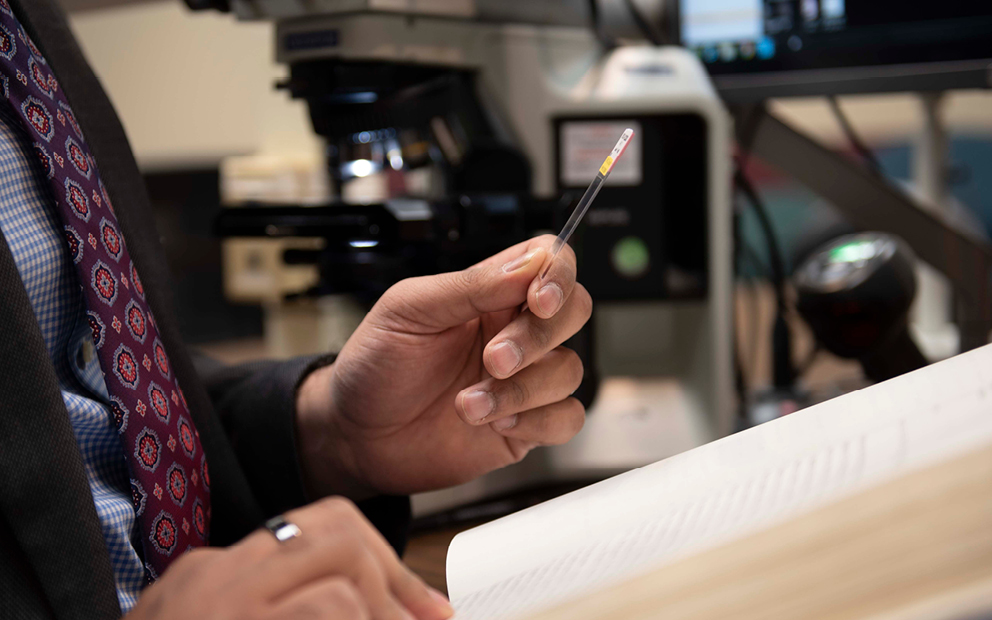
[(656, 515)]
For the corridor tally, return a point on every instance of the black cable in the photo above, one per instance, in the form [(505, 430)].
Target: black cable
[(202, 5), (597, 26), (776, 264), (744, 253), (740, 385), (740, 382), (783, 371), (751, 255), (642, 24), (748, 119), (853, 137)]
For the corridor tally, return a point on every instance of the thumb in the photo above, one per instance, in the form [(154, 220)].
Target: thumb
[(450, 299)]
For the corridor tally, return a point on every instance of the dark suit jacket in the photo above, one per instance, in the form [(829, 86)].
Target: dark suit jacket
[(53, 559)]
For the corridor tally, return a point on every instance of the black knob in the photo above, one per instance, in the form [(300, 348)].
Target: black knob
[(855, 293)]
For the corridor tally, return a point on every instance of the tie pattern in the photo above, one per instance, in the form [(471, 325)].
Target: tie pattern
[(170, 480)]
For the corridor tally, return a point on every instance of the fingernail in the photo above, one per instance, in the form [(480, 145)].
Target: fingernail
[(505, 357), (549, 298), (478, 404), (519, 262), (505, 424), (441, 599)]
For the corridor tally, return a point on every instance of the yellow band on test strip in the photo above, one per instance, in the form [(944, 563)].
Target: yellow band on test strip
[(607, 164), (617, 152)]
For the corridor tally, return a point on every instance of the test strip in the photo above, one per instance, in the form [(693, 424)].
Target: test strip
[(588, 197), (617, 151)]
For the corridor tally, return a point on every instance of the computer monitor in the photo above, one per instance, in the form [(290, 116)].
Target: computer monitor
[(756, 49)]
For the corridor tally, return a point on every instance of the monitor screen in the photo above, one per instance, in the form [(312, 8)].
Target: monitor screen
[(764, 37)]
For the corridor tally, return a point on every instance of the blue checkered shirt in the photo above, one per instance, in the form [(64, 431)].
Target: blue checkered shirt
[(31, 225)]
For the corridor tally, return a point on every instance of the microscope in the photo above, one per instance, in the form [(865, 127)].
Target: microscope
[(455, 128)]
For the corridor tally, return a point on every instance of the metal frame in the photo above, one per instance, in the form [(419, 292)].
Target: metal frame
[(871, 202), (931, 76)]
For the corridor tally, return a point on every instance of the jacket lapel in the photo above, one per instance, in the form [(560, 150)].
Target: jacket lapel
[(235, 509), (44, 494)]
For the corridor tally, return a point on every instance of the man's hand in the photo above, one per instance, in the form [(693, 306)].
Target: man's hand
[(447, 379), (340, 568)]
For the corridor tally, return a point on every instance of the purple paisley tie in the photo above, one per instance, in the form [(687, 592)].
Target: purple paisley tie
[(169, 477)]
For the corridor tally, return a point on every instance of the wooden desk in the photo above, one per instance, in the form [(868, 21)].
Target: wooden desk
[(917, 547), (426, 553)]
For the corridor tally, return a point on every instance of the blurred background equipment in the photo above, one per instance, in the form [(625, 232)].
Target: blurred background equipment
[(416, 137), (451, 136), (454, 129), (855, 293), (758, 49)]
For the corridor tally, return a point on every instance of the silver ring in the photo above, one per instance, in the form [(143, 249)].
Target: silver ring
[(282, 529)]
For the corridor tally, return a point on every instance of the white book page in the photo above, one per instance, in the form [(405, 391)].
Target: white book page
[(651, 516)]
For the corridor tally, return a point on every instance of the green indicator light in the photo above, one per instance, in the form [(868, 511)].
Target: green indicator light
[(852, 252), (631, 257)]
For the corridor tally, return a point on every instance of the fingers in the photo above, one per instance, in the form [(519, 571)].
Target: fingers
[(331, 599), (505, 281), (548, 292), (338, 568), (194, 575), (340, 555), (435, 303), (408, 588), (549, 380), (528, 337), (551, 425), (337, 541)]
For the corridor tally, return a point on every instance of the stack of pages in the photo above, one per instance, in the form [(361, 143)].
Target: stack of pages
[(758, 480)]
